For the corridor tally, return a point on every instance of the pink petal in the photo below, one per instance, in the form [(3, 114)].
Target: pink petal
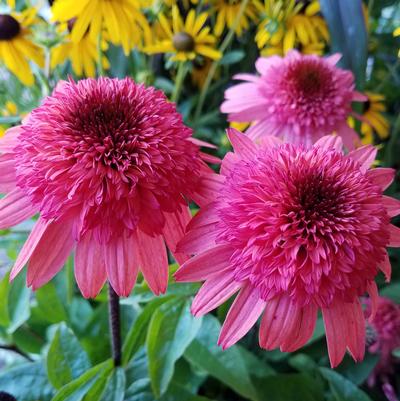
[(392, 205), (90, 269), (121, 263), (208, 189), (381, 176), (374, 296), (153, 261), (247, 77), (15, 207), (394, 233), (228, 163), (348, 134), (359, 97), (7, 177), (365, 156), (205, 264), (199, 142), (300, 329), (205, 216), (215, 291), (356, 329), (386, 267), (174, 230), (270, 141), (330, 142), (264, 63), (262, 129), (242, 316), (210, 158), (29, 246), (51, 252), (242, 145), (10, 140), (198, 240), (334, 58)]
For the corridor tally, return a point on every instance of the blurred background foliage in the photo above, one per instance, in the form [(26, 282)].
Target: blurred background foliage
[(54, 344)]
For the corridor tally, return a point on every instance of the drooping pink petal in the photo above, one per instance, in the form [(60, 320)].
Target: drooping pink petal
[(90, 269), (152, 257), (386, 267), (241, 144), (364, 155), (394, 240), (374, 297), (15, 207), (242, 316), (10, 139), (50, 253), (204, 264), (356, 329), (174, 230), (334, 58), (349, 135), (330, 141), (359, 97), (198, 240), (381, 176), (392, 205), (122, 264), (216, 290), (30, 245), (7, 177), (209, 186)]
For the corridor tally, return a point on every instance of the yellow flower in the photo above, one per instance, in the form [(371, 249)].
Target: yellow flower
[(83, 54), (123, 20), (289, 24), (10, 109), (227, 10), (16, 46), (184, 39), (374, 120), (240, 126), (396, 32)]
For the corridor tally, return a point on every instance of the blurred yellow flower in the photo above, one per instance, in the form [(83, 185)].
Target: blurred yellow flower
[(16, 46), (396, 32), (125, 23), (289, 24), (374, 120), (227, 10), (184, 39), (10, 109), (83, 54)]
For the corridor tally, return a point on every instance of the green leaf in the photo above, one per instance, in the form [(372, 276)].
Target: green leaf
[(66, 359), (180, 393), (18, 303), (227, 366), (348, 34), (27, 382), (137, 334), (293, 387), (357, 373), (4, 289), (343, 389), (172, 328), (232, 57), (115, 390), (10, 120), (78, 388), (391, 291), (255, 366), (50, 304)]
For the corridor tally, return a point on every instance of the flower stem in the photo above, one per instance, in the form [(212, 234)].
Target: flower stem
[(224, 45), (100, 70), (180, 77), (115, 325)]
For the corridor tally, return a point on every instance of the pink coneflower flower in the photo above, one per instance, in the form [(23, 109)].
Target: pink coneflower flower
[(385, 338), (107, 163), (299, 98), (295, 230)]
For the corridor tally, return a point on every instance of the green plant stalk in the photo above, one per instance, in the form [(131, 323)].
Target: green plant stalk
[(224, 45), (115, 325), (100, 70), (180, 77)]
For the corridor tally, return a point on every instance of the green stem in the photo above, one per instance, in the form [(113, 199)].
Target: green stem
[(180, 77), (224, 45), (100, 70)]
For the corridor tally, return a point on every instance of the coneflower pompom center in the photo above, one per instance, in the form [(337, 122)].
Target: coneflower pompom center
[(307, 223), (111, 151)]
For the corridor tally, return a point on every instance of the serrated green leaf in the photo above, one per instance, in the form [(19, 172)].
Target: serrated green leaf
[(137, 333), (27, 382), (227, 366), (78, 388), (172, 328), (50, 304), (343, 389), (66, 359)]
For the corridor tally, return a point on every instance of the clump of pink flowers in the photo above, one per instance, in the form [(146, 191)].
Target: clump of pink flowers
[(299, 98), (109, 165), (293, 230)]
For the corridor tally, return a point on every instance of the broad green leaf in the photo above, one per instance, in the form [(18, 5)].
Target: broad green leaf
[(227, 366), (180, 393), (343, 389), (137, 334), (50, 304), (348, 33), (255, 366), (285, 387), (78, 388), (232, 57), (115, 389), (4, 289), (172, 328), (28, 340), (98, 388), (18, 303), (27, 382), (357, 373), (66, 359)]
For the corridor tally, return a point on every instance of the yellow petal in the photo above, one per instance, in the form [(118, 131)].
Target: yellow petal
[(208, 52)]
